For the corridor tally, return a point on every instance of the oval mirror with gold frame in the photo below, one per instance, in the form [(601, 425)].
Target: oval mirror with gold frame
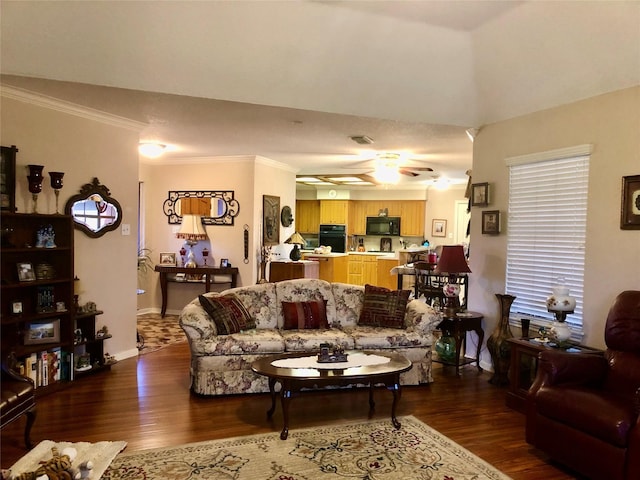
[(94, 211)]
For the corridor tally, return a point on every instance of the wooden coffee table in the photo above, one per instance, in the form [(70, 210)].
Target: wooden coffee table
[(294, 379)]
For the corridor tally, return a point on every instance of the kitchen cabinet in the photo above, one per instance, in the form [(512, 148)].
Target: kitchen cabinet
[(334, 211), (385, 278), (363, 269), (333, 268), (357, 218), (412, 214), (307, 217)]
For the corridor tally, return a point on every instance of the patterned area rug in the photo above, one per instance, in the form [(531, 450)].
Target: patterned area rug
[(155, 332), (364, 451)]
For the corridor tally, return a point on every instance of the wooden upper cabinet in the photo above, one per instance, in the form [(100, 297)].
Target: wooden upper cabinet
[(334, 211), (412, 214), (357, 218), (307, 218)]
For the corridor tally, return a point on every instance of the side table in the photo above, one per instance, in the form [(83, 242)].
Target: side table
[(524, 367), (457, 327)]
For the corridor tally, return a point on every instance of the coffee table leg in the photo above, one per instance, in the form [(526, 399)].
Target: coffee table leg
[(272, 390), (285, 398), (395, 390)]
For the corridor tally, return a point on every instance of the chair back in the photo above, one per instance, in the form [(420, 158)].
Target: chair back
[(622, 336)]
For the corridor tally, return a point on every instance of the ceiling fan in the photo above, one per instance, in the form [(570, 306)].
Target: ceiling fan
[(387, 167)]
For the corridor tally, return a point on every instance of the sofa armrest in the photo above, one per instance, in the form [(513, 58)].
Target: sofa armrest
[(196, 323), (421, 318)]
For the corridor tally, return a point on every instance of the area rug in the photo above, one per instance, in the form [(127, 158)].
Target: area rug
[(364, 451), (100, 453), (155, 332)]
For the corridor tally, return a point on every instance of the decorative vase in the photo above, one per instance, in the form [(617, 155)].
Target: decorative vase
[(35, 183), (56, 184), (497, 344), (446, 348)]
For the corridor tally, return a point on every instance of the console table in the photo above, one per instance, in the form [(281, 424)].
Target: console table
[(167, 274)]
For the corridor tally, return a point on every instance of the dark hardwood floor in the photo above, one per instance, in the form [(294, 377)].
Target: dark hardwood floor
[(146, 402)]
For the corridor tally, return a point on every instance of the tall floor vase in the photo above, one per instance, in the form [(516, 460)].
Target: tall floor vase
[(497, 344)]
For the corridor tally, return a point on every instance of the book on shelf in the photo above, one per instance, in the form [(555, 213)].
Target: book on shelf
[(53, 365)]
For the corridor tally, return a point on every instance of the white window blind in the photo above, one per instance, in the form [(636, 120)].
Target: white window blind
[(547, 222)]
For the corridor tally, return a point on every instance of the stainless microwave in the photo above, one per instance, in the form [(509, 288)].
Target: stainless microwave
[(383, 225)]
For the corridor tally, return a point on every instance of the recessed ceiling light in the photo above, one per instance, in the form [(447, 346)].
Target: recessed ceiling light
[(151, 150)]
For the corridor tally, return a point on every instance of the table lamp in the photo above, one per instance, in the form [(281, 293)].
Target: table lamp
[(296, 239), (192, 231), (452, 262)]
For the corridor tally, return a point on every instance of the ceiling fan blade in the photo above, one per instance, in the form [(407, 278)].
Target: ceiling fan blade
[(408, 172)]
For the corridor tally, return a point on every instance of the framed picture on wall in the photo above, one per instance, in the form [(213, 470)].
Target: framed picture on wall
[(480, 194), (630, 212), (491, 222), (438, 228), (270, 220)]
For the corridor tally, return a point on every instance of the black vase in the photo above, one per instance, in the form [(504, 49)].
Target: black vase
[(497, 344)]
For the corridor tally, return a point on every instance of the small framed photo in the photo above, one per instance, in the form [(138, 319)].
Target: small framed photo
[(168, 259), (491, 222), (480, 194), (26, 272), (16, 308), (224, 262), (42, 332), (438, 228), (630, 211)]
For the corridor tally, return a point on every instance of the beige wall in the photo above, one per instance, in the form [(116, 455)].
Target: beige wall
[(249, 178), (611, 123), (85, 148)]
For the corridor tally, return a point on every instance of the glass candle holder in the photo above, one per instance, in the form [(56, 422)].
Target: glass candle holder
[(56, 184), (35, 183)]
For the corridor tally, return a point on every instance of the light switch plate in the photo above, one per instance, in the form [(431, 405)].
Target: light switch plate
[(126, 229)]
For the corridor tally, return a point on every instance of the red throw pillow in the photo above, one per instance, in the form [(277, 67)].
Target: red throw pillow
[(383, 307), (305, 315), (228, 313)]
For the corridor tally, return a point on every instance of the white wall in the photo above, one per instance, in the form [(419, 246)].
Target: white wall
[(84, 148), (611, 124)]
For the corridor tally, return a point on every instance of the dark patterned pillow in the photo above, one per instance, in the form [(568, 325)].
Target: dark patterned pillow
[(383, 307), (305, 315), (228, 313)]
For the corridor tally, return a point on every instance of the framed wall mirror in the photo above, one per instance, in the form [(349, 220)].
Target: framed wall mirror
[(216, 207), (94, 211)]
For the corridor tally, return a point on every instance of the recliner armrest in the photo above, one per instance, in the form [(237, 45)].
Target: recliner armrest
[(557, 367)]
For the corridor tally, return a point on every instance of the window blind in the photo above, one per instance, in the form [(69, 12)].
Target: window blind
[(547, 220)]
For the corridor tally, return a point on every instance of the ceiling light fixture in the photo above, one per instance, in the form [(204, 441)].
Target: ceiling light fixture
[(151, 150), (361, 139), (387, 169)]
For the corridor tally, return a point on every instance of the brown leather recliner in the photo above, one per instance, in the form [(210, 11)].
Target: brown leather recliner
[(18, 398), (582, 409)]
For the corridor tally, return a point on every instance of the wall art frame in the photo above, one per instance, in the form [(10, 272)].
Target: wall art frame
[(438, 227), (491, 222), (47, 331), (8, 178), (480, 194), (270, 220), (224, 197), (630, 208)]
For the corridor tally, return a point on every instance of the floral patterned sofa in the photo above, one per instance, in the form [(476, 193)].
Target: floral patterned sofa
[(221, 364)]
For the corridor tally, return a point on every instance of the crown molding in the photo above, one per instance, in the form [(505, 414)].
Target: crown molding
[(63, 106)]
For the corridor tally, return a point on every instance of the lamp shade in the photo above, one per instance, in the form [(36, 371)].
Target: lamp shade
[(296, 239), (452, 260), (191, 228)]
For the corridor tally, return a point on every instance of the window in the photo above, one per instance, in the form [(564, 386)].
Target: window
[(547, 222)]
